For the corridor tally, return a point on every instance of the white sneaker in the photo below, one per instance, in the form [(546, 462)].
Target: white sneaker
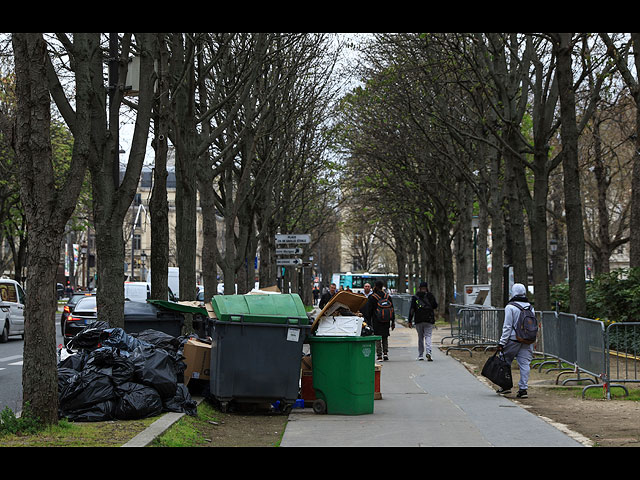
[(420, 359)]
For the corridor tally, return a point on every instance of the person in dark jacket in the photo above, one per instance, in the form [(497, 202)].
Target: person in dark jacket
[(327, 296), (422, 314), (380, 327)]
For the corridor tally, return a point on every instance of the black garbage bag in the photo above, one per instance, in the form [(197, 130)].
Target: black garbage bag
[(181, 402), (118, 338), (116, 363), (137, 401), (89, 387), (156, 368), (75, 361), (65, 377), (498, 371), (159, 339), (98, 412), (90, 337)]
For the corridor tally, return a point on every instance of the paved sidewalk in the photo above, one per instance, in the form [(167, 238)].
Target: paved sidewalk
[(436, 403)]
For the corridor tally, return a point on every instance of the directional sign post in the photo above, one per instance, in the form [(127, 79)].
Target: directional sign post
[(289, 251), (288, 261), (293, 238)]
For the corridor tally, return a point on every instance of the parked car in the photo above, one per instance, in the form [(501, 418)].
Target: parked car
[(83, 313), (68, 308), (12, 299)]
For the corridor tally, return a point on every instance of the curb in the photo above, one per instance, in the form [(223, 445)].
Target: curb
[(157, 428)]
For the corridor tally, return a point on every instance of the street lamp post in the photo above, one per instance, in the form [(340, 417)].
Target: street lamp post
[(474, 224)]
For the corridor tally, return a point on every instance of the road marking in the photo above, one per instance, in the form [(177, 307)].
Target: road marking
[(6, 359), (16, 363)]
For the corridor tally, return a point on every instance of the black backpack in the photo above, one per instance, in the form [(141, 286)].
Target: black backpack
[(384, 308), (424, 310), (526, 325)]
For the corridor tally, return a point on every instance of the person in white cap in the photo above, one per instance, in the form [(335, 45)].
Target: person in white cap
[(510, 346)]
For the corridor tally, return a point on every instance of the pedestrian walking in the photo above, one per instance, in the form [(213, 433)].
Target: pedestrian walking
[(316, 295), (367, 289), (327, 296), (422, 314), (509, 345), (378, 312)]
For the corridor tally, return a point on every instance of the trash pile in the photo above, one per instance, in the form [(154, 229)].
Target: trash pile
[(105, 373)]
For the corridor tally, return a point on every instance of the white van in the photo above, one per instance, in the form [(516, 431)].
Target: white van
[(12, 300), (141, 291), (173, 281), (137, 291)]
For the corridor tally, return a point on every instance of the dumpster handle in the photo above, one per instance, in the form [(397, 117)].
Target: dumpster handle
[(239, 318)]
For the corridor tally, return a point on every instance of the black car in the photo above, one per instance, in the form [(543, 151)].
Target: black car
[(68, 308), (74, 320)]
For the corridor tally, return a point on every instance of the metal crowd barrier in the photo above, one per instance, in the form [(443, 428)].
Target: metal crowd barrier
[(401, 304), (455, 315), (477, 328), (623, 345)]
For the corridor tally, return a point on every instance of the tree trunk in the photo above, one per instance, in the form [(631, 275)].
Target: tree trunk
[(158, 204), (572, 201), (47, 210)]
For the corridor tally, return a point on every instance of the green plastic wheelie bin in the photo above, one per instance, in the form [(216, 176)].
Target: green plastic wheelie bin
[(256, 348), (343, 374)]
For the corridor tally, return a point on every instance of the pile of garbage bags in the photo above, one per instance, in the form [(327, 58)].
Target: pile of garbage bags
[(105, 374)]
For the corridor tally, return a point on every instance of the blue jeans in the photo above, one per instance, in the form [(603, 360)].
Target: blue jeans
[(523, 353)]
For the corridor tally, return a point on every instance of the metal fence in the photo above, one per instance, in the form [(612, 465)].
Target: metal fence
[(566, 343)]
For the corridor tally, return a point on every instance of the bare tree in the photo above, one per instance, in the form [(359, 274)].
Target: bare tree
[(47, 207)]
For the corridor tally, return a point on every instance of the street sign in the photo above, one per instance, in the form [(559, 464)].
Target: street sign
[(293, 238), (289, 251), (288, 261)]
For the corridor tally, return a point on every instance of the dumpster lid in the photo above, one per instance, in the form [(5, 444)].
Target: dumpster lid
[(183, 307), (352, 301), (259, 308)]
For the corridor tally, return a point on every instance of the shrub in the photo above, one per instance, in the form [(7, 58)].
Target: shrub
[(26, 424)]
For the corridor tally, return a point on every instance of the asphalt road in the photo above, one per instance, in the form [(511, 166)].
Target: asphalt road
[(11, 370)]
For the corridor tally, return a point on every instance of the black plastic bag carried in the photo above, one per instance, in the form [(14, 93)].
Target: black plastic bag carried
[(498, 371)]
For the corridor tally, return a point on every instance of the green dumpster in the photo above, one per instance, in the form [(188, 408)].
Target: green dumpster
[(343, 374), (256, 348)]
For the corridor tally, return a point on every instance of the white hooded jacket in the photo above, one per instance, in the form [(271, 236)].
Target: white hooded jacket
[(511, 314)]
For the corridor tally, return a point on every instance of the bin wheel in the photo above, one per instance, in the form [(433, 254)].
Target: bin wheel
[(224, 407), (286, 408), (319, 406)]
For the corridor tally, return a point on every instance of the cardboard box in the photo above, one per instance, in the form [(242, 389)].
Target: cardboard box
[(198, 360)]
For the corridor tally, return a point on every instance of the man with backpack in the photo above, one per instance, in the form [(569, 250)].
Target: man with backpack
[(378, 311), (518, 336), (422, 314)]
